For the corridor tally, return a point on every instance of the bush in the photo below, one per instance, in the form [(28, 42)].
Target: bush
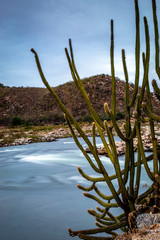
[(87, 118), (58, 118), (16, 121)]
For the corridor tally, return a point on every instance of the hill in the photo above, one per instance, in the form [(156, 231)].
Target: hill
[(37, 106)]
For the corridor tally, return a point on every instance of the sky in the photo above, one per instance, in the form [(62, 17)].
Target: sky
[(47, 25)]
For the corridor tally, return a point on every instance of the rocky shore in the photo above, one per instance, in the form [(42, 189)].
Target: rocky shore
[(49, 133), (33, 134)]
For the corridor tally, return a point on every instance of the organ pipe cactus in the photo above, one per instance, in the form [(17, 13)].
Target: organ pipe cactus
[(129, 178)]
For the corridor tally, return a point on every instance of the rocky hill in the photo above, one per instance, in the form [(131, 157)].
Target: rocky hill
[(37, 106)]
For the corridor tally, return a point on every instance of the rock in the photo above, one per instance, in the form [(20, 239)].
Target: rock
[(157, 133), (147, 220), (148, 233)]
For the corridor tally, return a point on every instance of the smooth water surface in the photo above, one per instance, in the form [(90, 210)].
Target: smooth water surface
[(39, 199)]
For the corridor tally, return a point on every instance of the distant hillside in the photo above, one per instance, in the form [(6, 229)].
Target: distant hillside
[(37, 106)]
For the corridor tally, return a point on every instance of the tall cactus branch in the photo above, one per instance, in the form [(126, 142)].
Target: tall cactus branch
[(156, 32), (113, 99), (137, 55)]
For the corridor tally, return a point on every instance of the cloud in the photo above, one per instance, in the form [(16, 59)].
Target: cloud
[(47, 25)]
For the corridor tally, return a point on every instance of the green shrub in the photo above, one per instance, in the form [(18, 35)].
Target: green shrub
[(87, 118), (16, 121), (58, 118)]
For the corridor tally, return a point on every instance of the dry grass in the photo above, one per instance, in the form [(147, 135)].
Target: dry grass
[(147, 233)]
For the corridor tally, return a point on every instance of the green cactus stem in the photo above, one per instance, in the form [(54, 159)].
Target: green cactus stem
[(113, 99), (137, 55), (156, 37), (156, 89)]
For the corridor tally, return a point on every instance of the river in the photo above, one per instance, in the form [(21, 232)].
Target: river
[(39, 199)]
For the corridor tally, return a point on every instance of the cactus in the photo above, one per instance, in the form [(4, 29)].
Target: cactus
[(127, 195)]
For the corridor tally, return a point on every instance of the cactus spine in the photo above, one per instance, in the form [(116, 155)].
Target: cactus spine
[(128, 178)]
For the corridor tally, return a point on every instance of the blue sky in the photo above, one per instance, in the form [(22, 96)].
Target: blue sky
[(47, 25)]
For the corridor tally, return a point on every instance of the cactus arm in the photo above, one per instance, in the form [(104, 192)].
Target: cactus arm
[(105, 174), (137, 55), (153, 116), (146, 59), (63, 108), (127, 79), (154, 140), (138, 176), (81, 232), (104, 223), (81, 148), (127, 162), (146, 67), (105, 143), (103, 215), (101, 223), (113, 99), (107, 229), (112, 177), (113, 147), (132, 168), (150, 114), (156, 89), (116, 163), (132, 173), (150, 174), (145, 194), (129, 157), (85, 188), (111, 187), (155, 153), (103, 195), (156, 37), (104, 212), (80, 86), (112, 144), (94, 145), (118, 131), (91, 179), (132, 134), (93, 186), (102, 203), (94, 137), (113, 218), (140, 98), (100, 216), (110, 138), (85, 237)]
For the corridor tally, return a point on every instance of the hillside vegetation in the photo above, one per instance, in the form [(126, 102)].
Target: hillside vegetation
[(36, 106)]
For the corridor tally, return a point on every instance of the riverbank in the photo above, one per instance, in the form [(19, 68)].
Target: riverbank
[(12, 136)]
